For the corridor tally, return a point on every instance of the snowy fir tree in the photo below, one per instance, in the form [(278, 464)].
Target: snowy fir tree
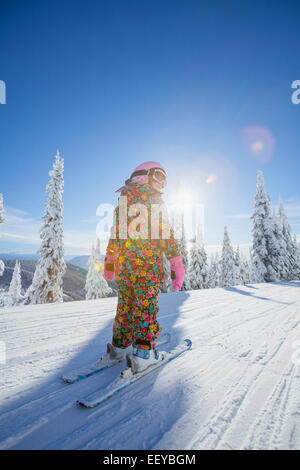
[(228, 275), (15, 287), (96, 285), (47, 283), (198, 268), (238, 265), (167, 285), (297, 254), (245, 270), (213, 272), (264, 247), (185, 258), (281, 249), (2, 267), (290, 250)]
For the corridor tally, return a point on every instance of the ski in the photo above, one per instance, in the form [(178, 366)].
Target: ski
[(97, 398), (97, 367)]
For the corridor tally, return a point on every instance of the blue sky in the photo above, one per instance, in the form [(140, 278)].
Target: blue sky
[(202, 87)]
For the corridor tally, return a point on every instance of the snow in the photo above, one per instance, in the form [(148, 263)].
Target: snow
[(238, 388)]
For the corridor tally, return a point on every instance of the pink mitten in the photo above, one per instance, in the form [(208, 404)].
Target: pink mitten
[(109, 267), (177, 272)]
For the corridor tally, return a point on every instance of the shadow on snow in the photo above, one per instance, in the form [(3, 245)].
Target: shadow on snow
[(47, 415)]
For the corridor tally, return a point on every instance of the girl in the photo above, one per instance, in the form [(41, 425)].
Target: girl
[(136, 263)]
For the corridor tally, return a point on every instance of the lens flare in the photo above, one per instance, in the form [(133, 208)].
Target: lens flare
[(259, 141), (98, 267), (257, 146), (211, 179)]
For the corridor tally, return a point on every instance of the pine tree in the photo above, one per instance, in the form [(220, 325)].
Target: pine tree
[(264, 248), (245, 270), (15, 296), (96, 286), (198, 268), (297, 263), (213, 272), (228, 276), (2, 267), (290, 251), (185, 258), (281, 248), (167, 284), (47, 283), (238, 265)]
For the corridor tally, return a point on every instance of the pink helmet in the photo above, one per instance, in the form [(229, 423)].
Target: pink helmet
[(141, 172)]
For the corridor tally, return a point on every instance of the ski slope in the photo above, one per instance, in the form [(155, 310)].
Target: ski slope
[(238, 388)]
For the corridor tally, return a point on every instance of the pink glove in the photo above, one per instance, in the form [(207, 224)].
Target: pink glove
[(177, 272), (109, 267)]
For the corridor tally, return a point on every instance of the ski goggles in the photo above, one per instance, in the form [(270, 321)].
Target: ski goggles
[(158, 175)]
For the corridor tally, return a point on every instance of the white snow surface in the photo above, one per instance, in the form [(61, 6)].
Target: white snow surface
[(238, 388)]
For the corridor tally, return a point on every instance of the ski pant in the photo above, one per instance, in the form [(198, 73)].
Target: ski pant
[(135, 322)]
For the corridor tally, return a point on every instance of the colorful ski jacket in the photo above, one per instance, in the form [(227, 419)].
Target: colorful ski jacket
[(137, 258)]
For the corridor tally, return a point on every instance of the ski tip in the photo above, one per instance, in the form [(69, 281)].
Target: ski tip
[(83, 404), (66, 380), (189, 343)]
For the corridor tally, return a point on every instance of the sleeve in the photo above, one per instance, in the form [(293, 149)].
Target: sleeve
[(170, 246)]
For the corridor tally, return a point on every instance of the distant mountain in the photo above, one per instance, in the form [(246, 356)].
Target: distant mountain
[(19, 256), (73, 281), (29, 256), (82, 261)]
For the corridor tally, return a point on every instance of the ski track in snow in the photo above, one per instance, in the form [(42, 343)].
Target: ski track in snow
[(236, 389)]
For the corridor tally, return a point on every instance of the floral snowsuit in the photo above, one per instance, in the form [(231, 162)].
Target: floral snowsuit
[(138, 268)]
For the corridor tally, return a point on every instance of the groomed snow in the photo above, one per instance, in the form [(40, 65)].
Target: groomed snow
[(238, 387)]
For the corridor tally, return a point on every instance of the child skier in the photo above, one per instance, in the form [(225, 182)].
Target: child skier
[(136, 263)]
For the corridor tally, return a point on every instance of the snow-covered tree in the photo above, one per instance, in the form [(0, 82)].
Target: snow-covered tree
[(265, 247), (245, 270), (167, 285), (96, 285), (213, 272), (238, 265), (15, 287), (228, 275), (198, 268), (290, 250), (4, 298), (47, 283), (2, 267), (185, 258), (281, 255), (297, 264)]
